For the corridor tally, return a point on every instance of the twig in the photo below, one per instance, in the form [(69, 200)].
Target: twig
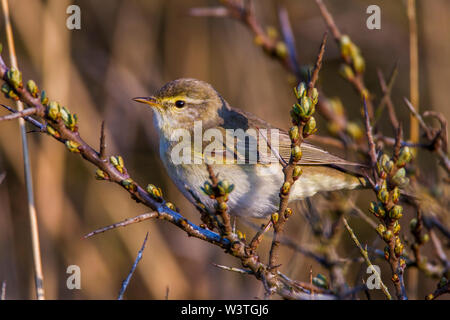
[(414, 68), (233, 269), (37, 263), (386, 100), (130, 274), (34, 122), (19, 114), (366, 258), (102, 142)]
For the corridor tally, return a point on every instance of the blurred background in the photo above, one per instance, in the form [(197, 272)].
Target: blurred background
[(131, 48)]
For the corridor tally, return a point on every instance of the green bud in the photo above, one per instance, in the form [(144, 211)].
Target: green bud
[(387, 235), (398, 249), (381, 229), (396, 212), (281, 49), (72, 146), (293, 133), (15, 77), (346, 72), (64, 114), (221, 206), (300, 91), (399, 177), (286, 188), (413, 224), (354, 130), (296, 153), (240, 235), (404, 157), (314, 96), (288, 212), (386, 253), (397, 227), (117, 162), (101, 175), (129, 184), (223, 187), (305, 107), (275, 217), (345, 44), (383, 196), (443, 282), (154, 191), (395, 194), (388, 166), (358, 63), (53, 110), (44, 99), (171, 206), (310, 127), (51, 131), (32, 88), (208, 189), (297, 172), (425, 238), (320, 281)]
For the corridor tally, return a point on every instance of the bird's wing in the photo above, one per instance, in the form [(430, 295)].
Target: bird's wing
[(311, 155)]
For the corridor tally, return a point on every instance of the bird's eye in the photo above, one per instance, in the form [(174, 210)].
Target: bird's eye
[(180, 103)]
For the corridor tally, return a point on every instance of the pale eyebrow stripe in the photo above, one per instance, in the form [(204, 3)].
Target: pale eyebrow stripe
[(187, 99)]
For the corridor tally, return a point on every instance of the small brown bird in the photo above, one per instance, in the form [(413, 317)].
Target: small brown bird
[(197, 126)]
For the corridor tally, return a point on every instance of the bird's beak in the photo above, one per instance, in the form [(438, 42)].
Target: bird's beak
[(151, 101)]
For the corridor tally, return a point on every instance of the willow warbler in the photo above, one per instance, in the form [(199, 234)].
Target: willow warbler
[(197, 126)]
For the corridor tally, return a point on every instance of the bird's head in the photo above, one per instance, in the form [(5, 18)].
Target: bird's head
[(181, 102)]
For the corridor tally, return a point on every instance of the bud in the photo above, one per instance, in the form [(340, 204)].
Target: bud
[(425, 238), (320, 281), (101, 175), (44, 99), (315, 96), (396, 212), (310, 127), (354, 130), (293, 133), (128, 184), (358, 63), (32, 88), (53, 110), (208, 189), (286, 188), (404, 157), (171, 206), (383, 196), (388, 166), (296, 153), (396, 227), (300, 90), (345, 44), (71, 121), (154, 191), (15, 77), (305, 107), (72, 146), (288, 212), (51, 131), (413, 224), (399, 177), (64, 114), (117, 162), (297, 172), (387, 235), (240, 235), (443, 282), (346, 72), (223, 186), (275, 217), (386, 253), (222, 206), (281, 49), (381, 229), (398, 249), (395, 194)]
